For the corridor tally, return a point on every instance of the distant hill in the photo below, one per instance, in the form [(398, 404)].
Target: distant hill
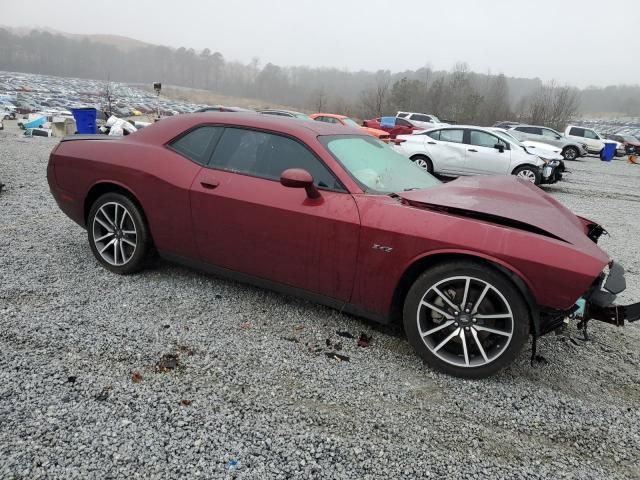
[(125, 44)]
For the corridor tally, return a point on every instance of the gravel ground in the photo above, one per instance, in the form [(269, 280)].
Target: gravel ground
[(176, 374)]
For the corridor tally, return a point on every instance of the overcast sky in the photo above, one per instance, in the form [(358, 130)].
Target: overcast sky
[(582, 42)]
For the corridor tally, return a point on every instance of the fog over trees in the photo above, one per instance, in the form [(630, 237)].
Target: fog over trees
[(458, 95)]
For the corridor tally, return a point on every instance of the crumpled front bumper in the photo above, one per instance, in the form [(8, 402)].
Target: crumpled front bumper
[(551, 172), (600, 299)]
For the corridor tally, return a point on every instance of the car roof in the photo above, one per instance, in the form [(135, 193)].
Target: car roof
[(293, 112), (527, 125), (170, 127), (333, 115)]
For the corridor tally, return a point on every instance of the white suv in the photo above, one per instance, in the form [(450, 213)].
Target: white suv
[(421, 120), (467, 150), (595, 143)]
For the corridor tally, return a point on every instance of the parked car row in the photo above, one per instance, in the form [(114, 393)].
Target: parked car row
[(22, 94), (577, 140)]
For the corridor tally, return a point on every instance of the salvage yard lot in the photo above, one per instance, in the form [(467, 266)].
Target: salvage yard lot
[(172, 373)]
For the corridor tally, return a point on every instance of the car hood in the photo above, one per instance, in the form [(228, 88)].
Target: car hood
[(541, 146), (507, 201)]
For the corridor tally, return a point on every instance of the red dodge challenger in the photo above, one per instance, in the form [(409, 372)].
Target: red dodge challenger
[(471, 267)]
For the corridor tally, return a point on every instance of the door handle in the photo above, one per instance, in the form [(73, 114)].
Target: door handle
[(432, 143), (473, 150), (209, 182)]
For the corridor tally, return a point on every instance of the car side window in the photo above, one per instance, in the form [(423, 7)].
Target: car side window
[(403, 122), (197, 144), (420, 118), (577, 132), (321, 119), (591, 134), (484, 139), (435, 134), (549, 133), (266, 155), (453, 136), (402, 115)]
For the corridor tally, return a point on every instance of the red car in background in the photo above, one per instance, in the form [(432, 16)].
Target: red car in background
[(349, 122), (394, 125), (471, 267), (630, 143)]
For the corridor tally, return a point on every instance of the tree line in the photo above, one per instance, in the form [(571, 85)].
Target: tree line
[(458, 95)]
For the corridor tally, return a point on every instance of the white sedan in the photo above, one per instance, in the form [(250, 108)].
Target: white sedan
[(468, 150)]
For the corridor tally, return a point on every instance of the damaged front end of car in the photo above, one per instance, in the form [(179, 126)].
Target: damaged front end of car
[(598, 303)]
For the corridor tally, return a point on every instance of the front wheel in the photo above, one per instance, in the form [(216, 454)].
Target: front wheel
[(466, 319), (529, 173), (118, 233), (570, 153)]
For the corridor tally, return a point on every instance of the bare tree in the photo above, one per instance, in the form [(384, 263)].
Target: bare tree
[(108, 99), (374, 100), (496, 104), (552, 105)]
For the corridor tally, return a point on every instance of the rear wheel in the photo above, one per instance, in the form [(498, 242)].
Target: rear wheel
[(570, 153), (118, 233), (466, 319), (423, 162)]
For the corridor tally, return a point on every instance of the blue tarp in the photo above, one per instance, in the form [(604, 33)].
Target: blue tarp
[(37, 123)]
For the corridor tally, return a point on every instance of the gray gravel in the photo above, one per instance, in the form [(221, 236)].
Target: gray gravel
[(253, 395)]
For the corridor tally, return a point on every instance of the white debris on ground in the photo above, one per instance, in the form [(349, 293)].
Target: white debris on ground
[(172, 373)]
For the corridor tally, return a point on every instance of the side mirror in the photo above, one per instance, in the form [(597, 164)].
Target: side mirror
[(499, 147), (299, 178), (558, 137)]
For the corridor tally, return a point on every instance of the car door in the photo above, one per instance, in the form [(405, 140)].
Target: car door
[(244, 220), (421, 121), (447, 150), (593, 140), (483, 158), (552, 137)]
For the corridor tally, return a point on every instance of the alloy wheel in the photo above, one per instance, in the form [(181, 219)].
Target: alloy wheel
[(422, 163), (465, 321), (528, 175), (114, 234)]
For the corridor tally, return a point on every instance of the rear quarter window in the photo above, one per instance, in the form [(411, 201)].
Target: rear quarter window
[(197, 144), (576, 132)]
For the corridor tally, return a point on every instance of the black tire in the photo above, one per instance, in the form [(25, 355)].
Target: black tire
[(423, 162), (570, 153), (132, 258), (530, 173), (478, 363)]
